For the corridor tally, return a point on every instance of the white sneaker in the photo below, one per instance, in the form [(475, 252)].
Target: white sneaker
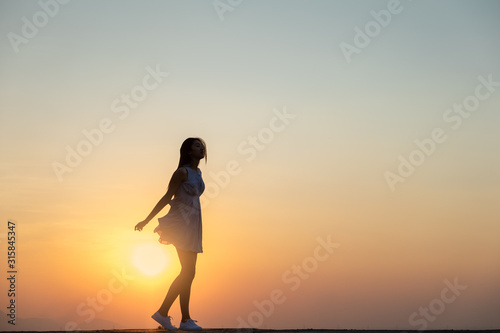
[(164, 321), (189, 325)]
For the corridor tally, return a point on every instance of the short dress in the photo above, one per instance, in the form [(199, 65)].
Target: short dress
[(182, 224)]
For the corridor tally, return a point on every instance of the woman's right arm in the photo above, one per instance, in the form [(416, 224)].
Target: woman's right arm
[(179, 176)]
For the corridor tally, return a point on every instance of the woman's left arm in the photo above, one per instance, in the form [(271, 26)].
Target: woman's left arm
[(179, 176)]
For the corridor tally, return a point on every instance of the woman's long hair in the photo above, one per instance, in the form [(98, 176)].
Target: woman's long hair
[(186, 148)]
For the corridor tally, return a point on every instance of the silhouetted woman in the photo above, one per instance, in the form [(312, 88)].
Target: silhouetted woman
[(182, 228)]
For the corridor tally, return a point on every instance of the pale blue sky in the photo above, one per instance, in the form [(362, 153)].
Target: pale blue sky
[(283, 50), (278, 52)]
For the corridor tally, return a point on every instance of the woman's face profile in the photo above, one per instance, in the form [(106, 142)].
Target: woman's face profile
[(197, 150)]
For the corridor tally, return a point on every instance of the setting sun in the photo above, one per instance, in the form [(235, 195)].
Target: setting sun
[(149, 258)]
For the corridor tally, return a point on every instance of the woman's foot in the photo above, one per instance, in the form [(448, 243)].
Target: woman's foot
[(189, 325), (166, 322)]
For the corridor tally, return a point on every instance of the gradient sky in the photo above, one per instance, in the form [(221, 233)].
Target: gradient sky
[(274, 186)]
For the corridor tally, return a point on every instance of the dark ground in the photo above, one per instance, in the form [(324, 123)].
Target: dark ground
[(234, 330)]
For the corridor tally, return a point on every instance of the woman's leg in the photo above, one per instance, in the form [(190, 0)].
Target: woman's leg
[(188, 263), (181, 285)]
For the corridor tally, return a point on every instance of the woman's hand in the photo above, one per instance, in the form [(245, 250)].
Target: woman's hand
[(140, 225)]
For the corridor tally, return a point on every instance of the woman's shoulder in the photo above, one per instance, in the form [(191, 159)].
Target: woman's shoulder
[(181, 172), (188, 169)]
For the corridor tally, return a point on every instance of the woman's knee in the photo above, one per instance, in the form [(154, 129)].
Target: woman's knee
[(188, 273), (188, 264)]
